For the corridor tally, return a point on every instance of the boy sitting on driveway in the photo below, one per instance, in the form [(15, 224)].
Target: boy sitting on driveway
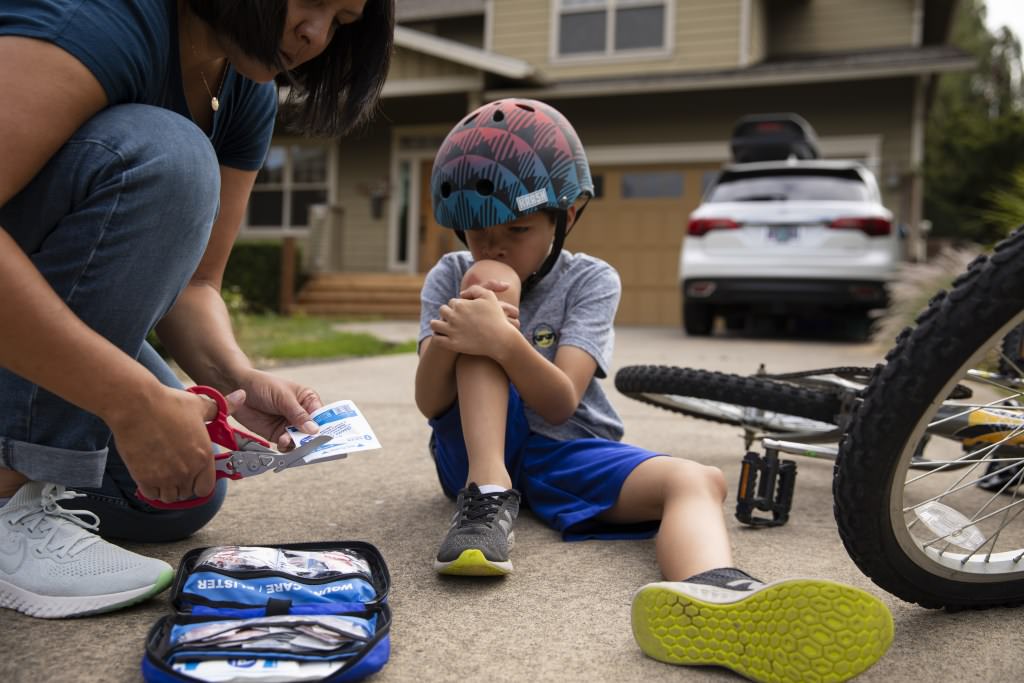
[(514, 334)]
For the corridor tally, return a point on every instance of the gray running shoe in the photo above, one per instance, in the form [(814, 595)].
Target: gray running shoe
[(792, 630), (480, 537), (51, 565)]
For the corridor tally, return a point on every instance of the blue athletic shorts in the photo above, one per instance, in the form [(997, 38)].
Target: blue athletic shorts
[(565, 483)]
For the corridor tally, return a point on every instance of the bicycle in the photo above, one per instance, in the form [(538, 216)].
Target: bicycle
[(928, 486)]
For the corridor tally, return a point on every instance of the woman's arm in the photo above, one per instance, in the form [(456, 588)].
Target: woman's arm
[(48, 95), (197, 332)]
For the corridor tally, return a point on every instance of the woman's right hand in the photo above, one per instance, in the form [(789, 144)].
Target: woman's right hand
[(165, 446)]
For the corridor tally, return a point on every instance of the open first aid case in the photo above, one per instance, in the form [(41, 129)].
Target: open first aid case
[(274, 614)]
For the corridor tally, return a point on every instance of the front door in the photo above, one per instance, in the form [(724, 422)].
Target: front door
[(434, 240)]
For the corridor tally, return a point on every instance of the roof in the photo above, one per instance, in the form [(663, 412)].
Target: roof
[(863, 65), (460, 53)]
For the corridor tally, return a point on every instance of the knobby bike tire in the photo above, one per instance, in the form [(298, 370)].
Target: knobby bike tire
[(919, 372), (1012, 360), (641, 382)]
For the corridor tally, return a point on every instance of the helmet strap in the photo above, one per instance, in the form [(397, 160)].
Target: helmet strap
[(529, 283)]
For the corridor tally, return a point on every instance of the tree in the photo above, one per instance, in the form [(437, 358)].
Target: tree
[(975, 134)]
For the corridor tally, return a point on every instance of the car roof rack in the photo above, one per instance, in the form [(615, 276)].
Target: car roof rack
[(773, 137)]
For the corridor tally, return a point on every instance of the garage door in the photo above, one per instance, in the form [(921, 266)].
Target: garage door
[(637, 223)]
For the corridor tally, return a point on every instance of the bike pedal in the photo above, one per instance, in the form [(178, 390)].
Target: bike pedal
[(766, 484)]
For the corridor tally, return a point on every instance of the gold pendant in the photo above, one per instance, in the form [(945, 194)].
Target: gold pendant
[(214, 103)]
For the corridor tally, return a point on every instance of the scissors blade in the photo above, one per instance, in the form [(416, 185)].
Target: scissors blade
[(297, 457)]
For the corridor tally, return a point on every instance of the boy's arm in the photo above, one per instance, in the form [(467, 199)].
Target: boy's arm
[(552, 390), (435, 379)]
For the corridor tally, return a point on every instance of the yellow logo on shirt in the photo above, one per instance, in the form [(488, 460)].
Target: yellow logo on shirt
[(543, 336)]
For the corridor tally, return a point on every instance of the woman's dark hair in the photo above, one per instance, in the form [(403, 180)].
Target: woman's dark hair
[(336, 91)]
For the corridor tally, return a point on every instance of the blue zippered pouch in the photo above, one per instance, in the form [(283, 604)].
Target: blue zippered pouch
[(301, 611)]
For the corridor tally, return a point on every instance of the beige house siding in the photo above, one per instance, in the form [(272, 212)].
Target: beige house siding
[(758, 45), (410, 65), (835, 110), (839, 25), (363, 164), (705, 37)]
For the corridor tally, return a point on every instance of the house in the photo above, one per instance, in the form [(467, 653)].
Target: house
[(653, 88)]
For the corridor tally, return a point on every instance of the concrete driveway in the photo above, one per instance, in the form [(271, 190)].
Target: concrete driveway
[(564, 614)]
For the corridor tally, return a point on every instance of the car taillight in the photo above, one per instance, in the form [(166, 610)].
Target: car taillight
[(869, 226), (702, 226)]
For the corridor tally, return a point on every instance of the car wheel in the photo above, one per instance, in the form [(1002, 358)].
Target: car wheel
[(697, 319)]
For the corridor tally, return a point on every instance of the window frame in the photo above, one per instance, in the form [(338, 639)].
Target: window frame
[(610, 54), (288, 186)]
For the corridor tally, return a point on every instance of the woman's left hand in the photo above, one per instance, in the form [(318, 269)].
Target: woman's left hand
[(273, 403)]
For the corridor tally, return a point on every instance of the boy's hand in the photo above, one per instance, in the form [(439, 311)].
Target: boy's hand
[(477, 326), (478, 291)]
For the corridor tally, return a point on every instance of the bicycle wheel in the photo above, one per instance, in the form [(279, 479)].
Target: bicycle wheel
[(750, 402), (940, 538)]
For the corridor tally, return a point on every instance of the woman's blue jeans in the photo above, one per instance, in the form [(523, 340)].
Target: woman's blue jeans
[(116, 222)]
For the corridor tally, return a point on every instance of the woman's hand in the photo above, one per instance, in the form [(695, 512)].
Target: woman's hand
[(478, 326), (164, 443), (273, 403)]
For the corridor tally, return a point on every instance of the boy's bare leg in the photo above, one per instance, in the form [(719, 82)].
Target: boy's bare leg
[(705, 591), (483, 388), (483, 407), (688, 498)]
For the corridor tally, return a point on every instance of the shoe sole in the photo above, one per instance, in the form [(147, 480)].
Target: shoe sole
[(473, 563), (59, 607), (794, 630)]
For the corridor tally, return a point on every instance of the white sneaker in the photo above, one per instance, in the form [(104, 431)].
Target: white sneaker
[(52, 566)]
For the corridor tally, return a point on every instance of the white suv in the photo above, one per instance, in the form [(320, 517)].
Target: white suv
[(787, 237)]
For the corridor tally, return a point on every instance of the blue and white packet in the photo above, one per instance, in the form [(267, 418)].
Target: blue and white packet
[(293, 612)]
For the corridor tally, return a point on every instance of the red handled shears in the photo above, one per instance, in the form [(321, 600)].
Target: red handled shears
[(248, 454)]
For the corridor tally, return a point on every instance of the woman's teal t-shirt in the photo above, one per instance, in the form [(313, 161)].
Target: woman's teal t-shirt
[(131, 46)]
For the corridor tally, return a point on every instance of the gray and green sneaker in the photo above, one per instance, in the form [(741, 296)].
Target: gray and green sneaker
[(792, 630), (480, 536)]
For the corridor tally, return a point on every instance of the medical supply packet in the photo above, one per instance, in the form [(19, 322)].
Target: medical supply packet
[(276, 613), (347, 427)]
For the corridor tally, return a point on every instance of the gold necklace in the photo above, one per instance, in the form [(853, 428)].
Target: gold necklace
[(214, 99)]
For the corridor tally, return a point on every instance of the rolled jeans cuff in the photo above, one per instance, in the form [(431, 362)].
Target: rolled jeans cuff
[(51, 464)]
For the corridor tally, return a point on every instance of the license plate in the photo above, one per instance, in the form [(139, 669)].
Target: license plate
[(782, 233)]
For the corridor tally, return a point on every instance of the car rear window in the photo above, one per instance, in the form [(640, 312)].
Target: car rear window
[(789, 184)]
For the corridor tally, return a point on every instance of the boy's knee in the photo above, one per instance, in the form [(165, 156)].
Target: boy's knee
[(691, 478), (482, 272)]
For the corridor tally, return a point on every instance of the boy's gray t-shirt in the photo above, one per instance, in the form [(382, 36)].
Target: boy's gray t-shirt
[(572, 305)]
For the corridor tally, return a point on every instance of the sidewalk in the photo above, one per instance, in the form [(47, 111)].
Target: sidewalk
[(564, 614)]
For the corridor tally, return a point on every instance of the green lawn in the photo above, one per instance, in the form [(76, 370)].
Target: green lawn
[(269, 337)]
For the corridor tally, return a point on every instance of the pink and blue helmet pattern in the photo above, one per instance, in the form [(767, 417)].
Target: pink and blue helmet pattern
[(507, 159)]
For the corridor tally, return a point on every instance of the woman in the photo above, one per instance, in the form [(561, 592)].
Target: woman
[(131, 134)]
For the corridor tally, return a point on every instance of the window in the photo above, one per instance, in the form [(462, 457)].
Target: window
[(293, 178), (652, 185), (790, 185), (610, 27)]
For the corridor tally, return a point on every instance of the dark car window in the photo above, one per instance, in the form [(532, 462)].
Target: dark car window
[(790, 184)]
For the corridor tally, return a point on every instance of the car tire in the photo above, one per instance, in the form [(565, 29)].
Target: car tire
[(698, 319)]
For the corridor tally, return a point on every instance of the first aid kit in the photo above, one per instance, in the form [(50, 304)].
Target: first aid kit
[(274, 614)]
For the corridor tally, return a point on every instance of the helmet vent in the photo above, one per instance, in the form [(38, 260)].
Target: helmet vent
[(469, 119), (485, 187), (446, 189), (499, 115), (526, 107)]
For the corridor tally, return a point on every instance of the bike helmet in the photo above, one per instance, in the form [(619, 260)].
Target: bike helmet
[(507, 159)]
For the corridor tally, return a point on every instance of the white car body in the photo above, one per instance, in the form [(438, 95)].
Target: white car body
[(785, 255)]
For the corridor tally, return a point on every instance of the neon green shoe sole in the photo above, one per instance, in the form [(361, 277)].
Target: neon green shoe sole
[(473, 563), (793, 630)]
